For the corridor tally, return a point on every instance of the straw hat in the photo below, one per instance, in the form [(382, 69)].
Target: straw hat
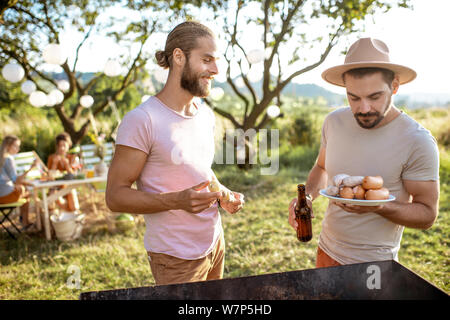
[(366, 53)]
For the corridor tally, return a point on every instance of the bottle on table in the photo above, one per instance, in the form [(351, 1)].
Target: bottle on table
[(303, 216)]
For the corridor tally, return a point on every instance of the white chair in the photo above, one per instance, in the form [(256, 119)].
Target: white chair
[(89, 159), (24, 160)]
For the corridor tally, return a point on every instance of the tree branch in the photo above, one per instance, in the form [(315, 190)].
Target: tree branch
[(225, 114), (232, 85), (249, 86), (79, 47), (263, 122), (331, 44)]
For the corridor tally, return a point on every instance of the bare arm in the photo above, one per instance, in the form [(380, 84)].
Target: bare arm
[(230, 206), (423, 210), (126, 167), (317, 178), (420, 214)]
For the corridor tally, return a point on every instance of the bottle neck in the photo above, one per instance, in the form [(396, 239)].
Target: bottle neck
[(301, 196)]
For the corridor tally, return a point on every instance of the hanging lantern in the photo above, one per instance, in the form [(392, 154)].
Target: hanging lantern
[(38, 99), (51, 101), (112, 68), (56, 96), (28, 87), (54, 54), (13, 72), (216, 93), (63, 85), (86, 101), (255, 56), (273, 111)]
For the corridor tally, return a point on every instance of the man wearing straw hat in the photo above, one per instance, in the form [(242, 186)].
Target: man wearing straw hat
[(372, 137)]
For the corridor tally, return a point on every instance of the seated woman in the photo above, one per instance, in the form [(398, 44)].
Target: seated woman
[(63, 161), (12, 187)]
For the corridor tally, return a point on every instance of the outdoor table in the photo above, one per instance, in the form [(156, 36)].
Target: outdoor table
[(68, 186)]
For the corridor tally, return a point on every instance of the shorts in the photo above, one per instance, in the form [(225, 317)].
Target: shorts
[(14, 196), (323, 260), (168, 269)]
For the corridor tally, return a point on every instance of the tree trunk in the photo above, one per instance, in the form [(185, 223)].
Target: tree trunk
[(69, 126)]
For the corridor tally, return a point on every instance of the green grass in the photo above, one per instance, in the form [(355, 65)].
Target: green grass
[(259, 240)]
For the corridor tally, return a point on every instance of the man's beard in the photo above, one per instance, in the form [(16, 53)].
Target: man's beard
[(191, 82), (360, 117)]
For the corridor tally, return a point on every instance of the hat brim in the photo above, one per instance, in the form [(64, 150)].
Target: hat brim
[(334, 75)]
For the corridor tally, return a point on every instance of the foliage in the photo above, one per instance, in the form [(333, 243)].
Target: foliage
[(258, 241), (36, 128), (100, 150), (30, 25), (286, 29)]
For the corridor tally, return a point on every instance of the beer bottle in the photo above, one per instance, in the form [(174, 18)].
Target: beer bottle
[(303, 216)]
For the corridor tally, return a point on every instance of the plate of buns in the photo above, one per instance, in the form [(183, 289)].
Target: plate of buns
[(358, 190)]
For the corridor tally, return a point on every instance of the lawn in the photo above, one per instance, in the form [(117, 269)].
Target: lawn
[(258, 241)]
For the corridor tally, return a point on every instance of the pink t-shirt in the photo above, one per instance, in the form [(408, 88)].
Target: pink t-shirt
[(180, 153)]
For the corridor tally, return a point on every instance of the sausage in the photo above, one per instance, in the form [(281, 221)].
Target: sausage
[(214, 186), (337, 180), (372, 182), (346, 192), (377, 194), (352, 181), (359, 192), (228, 196), (332, 191)]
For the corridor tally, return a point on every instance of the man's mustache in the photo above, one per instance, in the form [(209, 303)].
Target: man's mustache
[(366, 115)]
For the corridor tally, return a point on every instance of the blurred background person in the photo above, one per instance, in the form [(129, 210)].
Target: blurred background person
[(63, 161), (12, 186)]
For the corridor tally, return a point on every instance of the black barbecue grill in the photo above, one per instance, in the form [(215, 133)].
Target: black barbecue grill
[(371, 280)]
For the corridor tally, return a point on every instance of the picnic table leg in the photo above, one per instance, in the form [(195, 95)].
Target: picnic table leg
[(75, 199), (92, 196), (37, 209), (46, 215)]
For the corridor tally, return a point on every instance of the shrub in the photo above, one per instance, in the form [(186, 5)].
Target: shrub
[(300, 157)]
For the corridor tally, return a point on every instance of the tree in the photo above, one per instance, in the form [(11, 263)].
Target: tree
[(5, 4), (283, 27), (29, 26)]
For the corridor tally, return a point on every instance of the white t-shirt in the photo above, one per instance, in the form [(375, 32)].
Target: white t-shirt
[(180, 153), (399, 150)]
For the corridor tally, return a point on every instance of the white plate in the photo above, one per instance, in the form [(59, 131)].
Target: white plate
[(357, 202)]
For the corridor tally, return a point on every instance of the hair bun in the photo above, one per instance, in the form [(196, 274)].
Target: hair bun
[(161, 59)]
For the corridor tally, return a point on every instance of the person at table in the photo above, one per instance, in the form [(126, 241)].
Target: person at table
[(12, 186), (62, 161)]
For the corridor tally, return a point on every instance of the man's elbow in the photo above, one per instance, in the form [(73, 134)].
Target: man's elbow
[(431, 220), (111, 200)]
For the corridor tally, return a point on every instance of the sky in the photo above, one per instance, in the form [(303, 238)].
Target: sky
[(416, 38)]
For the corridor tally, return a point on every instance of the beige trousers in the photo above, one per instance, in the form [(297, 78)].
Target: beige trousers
[(167, 269)]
